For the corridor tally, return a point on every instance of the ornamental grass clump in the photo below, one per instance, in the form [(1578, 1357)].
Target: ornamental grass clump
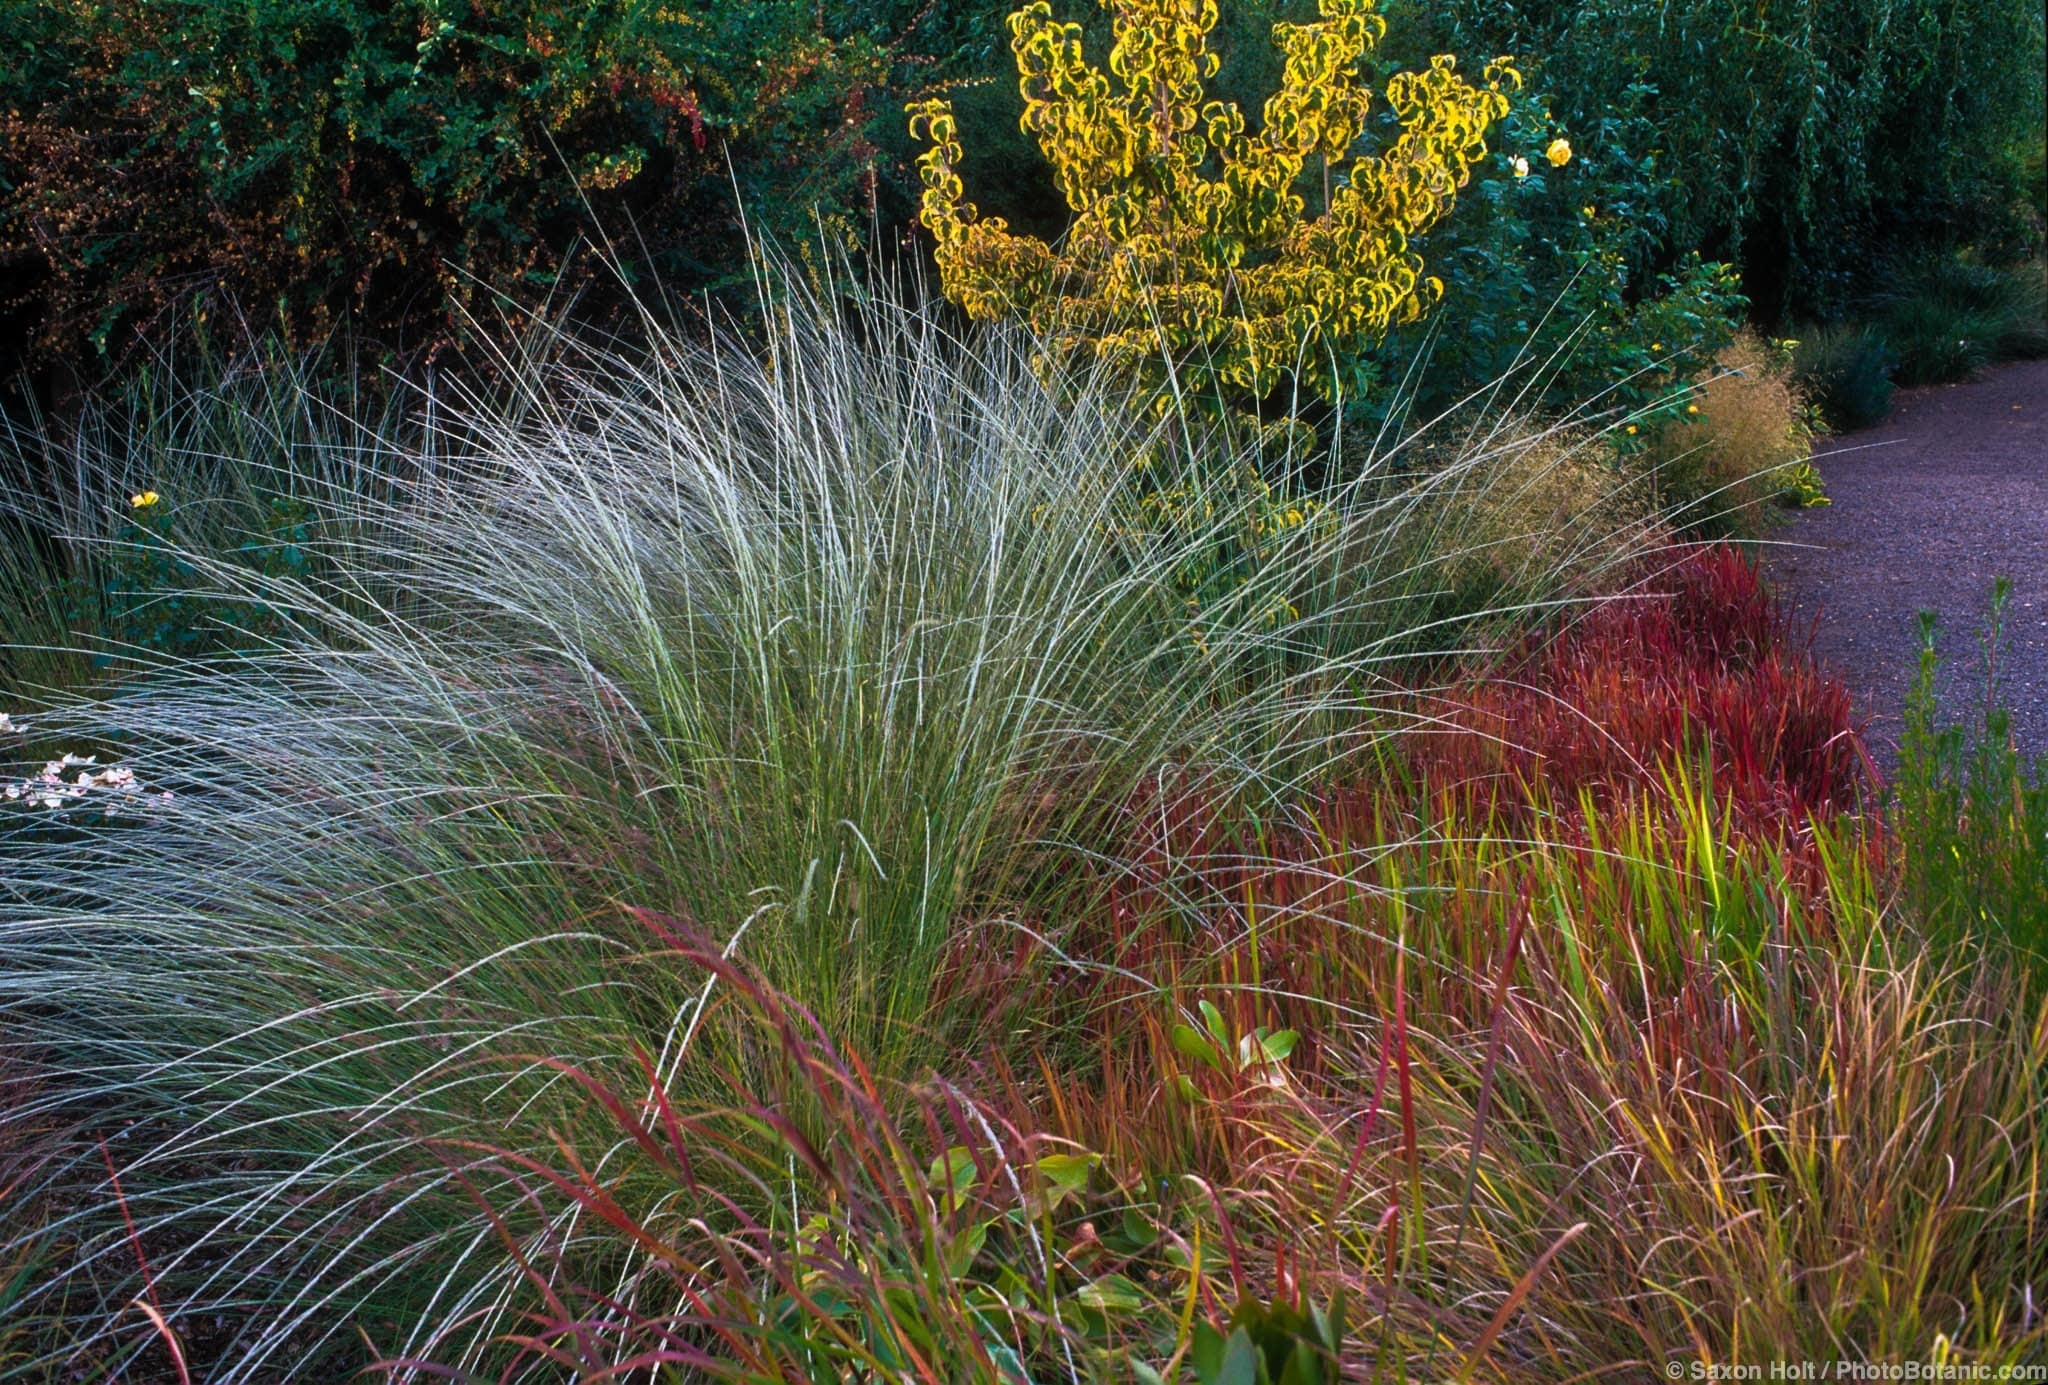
[(1553, 515), (1745, 438), (837, 648)]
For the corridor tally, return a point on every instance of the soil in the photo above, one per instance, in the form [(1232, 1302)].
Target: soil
[(1929, 508)]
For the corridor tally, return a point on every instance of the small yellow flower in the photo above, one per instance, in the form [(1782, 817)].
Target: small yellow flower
[(1692, 408), (143, 501), (1589, 211), (1656, 346), (1631, 430), (1559, 153), (1520, 165)]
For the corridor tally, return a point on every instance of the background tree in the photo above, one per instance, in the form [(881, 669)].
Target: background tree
[(1249, 257)]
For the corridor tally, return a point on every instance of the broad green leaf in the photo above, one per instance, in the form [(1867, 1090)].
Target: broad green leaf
[(1240, 1361), (960, 1255), (1189, 1043), (1138, 1230), (953, 1172), (1112, 1293), (1303, 1367), (1068, 1171)]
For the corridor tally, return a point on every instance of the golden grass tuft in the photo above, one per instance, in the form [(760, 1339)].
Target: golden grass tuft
[(1715, 470), (1549, 508)]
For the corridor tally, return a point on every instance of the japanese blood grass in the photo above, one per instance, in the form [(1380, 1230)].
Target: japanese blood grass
[(840, 649), (1788, 1129)]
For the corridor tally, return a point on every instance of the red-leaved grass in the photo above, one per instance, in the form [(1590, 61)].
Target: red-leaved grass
[(1695, 661)]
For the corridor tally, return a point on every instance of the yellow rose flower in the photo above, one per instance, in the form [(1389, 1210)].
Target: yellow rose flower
[(1559, 153), (1520, 165)]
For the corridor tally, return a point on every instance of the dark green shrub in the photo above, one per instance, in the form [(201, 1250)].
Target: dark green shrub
[(2026, 337), (1797, 140), (249, 456), (396, 165), (1846, 373), (148, 596), (1548, 282), (392, 164)]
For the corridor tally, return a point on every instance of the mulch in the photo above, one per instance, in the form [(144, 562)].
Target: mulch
[(1929, 508)]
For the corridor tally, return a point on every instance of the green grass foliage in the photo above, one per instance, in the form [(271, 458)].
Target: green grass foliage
[(1948, 318), (1973, 812), (1847, 372)]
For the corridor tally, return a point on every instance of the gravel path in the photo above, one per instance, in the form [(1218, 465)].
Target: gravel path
[(1929, 507)]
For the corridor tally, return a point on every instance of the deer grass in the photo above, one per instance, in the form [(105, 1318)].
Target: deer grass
[(839, 648)]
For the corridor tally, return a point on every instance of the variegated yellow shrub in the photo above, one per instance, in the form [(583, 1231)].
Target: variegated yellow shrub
[(1191, 244)]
